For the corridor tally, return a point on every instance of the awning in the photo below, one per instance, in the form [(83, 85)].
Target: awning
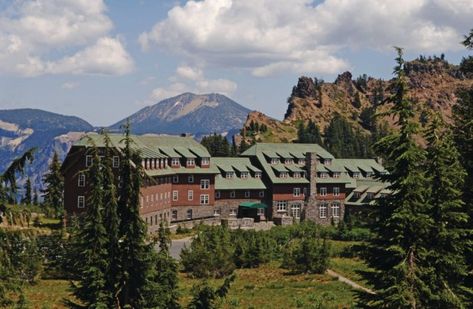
[(253, 205)]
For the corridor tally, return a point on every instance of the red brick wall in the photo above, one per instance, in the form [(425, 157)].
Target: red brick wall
[(182, 187), (286, 192)]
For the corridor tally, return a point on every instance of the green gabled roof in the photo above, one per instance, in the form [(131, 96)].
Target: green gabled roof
[(297, 155), (294, 168), (271, 154), (150, 153), (375, 189), (361, 188), (237, 183), (321, 168), (254, 168), (357, 165), (280, 168), (271, 148), (284, 154), (230, 164), (160, 172), (185, 152), (170, 152), (332, 180)]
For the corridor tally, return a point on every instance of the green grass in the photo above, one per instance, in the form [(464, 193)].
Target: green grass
[(270, 287), (47, 294), (351, 268)]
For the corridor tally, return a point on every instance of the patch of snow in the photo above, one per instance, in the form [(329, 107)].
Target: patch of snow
[(7, 126)]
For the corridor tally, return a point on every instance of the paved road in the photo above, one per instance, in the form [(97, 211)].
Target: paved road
[(177, 246)]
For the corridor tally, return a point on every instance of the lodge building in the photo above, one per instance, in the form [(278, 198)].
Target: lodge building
[(279, 182)]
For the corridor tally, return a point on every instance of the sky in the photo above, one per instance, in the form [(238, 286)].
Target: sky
[(104, 60)]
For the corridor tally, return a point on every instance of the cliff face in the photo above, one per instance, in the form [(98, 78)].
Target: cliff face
[(433, 84)]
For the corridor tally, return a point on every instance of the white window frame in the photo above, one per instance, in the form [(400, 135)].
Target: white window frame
[(81, 180), (175, 195), (233, 212), (301, 161), (175, 162), (190, 162), (116, 161), (174, 215), (190, 179), (260, 212), (190, 195), (229, 175), (204, 199), (336, 191), (297, 175), (232, 194), (296, 192), (281, 206), (283, 175), (205, 184), (88, 160), (189, 214), (288, 161), (323, 191), (244, 175), (356, 174), (81, 201), (275, 161), (335, 209), (323, 210), (205, 161), (247, 194), (216, 212), (257, 174)]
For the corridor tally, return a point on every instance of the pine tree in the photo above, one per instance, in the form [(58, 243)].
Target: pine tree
[(27, 199), (91, 241), (111, 224), (206, 297), (449, 236), (53, 194), (136, 255), (398, 249)]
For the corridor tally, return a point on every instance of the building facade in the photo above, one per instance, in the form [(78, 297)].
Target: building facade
[(281, 182)]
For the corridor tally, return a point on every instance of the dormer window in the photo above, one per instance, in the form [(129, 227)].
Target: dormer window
[(297, 175), (190, 162), (328, 162), (288, 161), (336, 174), (244, 174), (275, 161), (175, 162), (258, 175), (283, 175), (356, 174), (229, 175), (369, 195), (323, 175), (116, 161), (301, 161), (205, 161)]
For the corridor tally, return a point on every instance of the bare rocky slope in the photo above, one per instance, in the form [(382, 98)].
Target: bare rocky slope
[(433, 86)]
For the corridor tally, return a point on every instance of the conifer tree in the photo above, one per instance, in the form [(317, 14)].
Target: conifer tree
[(27, 199), (136, 255), (91, 240), (449, 236), (398, 248), (111, 224), (53, 194)]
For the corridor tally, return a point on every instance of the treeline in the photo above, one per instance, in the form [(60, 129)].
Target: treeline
[(218, 146)]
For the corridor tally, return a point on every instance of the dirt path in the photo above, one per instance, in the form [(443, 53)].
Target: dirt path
[(348, 281)]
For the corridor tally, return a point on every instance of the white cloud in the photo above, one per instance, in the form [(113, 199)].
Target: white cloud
[(60, 37), (69, 85), (272, 36), (191, 79)]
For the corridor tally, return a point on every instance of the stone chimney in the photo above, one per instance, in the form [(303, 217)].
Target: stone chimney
[(310, 212)]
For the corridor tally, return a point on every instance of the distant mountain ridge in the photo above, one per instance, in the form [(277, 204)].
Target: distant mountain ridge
[(197, 114)]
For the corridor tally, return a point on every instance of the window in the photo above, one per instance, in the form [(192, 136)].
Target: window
[(204, 199), (247, 194), (204, 184), (216, 212), (283, 175), (356, 195), (88, 160), (217, 194), (81, 180), (261, 194), (229, 175), (175, 162), (189, 214), (336, 175), (190, 195), (258, 175), (80, 201), (328, 162), (274, 160), (260, 211), (174, 215), (323, 175), (301, 161), (297, 175), (336, 191), (323, 210), (244, 174), (356, 175), (323, 191), (233, 211), (232, 194), (205, 161), (296, 192), (116, 161), (146, 220), (335, 209), (175, 195), (175, 179), (289, 161), (370, 195), (281, 205), (190, 162), (296, 210), (190, 179)]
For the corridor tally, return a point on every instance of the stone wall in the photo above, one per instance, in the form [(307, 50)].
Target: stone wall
[(198, 212)]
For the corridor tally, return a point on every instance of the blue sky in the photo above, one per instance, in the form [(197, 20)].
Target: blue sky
[(103, 61)]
